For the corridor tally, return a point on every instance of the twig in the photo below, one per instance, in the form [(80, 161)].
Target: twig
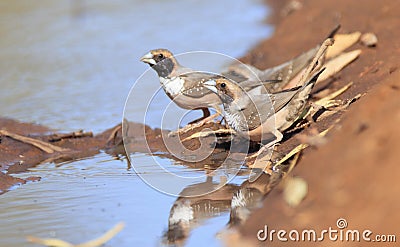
[(93, 243), (76, 134), (203, 134), (44, 146), (114, 133)]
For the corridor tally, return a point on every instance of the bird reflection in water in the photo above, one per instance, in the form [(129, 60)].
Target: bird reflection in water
[(187, 213)]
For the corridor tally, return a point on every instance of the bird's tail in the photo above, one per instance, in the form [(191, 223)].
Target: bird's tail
[(314, 78)]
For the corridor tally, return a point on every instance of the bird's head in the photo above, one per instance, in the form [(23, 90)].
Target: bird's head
[(161, 60), (227, 90)]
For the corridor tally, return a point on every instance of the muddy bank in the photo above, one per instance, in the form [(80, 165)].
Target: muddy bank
[(352, 176), (25, 145)]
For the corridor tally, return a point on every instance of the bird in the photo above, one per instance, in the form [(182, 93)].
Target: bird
[(182, 85), (260, 117), (285, 72), (185, 85)]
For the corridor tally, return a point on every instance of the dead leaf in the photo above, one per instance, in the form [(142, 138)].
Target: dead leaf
[(326, 99), (291, 153), (337, 64), (342, 42), (293, 162)]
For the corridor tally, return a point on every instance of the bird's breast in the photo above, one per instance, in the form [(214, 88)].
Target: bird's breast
[(236, 121), (172, 86)]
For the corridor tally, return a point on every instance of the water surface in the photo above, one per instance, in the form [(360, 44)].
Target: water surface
[(70, 64)]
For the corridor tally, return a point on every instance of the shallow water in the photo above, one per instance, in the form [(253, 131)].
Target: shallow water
[(80, 200), (70, 65)]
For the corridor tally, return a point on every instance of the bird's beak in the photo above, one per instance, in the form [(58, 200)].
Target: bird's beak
[(148, 58), (210, 84)]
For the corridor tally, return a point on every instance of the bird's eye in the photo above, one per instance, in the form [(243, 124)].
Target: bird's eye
[(160, 56), (223, 85)]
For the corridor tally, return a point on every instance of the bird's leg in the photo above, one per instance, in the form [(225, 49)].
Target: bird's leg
[(206, 114)]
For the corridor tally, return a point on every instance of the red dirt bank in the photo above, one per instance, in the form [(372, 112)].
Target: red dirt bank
[(354, 175)]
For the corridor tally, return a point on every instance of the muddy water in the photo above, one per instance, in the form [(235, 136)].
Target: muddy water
[(70, 65)]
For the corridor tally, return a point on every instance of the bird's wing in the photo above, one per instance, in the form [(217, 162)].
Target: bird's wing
[(256, 109), (289, 69), (261, 87), (281, 99), (274, 78), (234, 76), (193, 84), (240, 72), (265, 102)]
